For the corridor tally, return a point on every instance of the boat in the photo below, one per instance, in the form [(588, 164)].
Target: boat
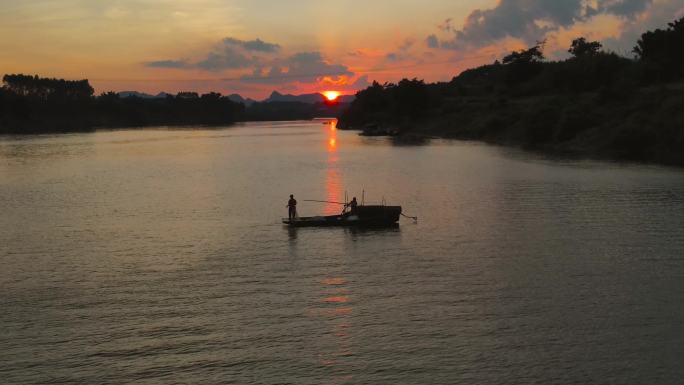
[(364, 216)]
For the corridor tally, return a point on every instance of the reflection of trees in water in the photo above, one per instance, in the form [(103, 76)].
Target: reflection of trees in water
[(410, 140), (27, 149), (334, 185)]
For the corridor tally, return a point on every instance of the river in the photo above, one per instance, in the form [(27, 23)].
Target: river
[(157, 256)]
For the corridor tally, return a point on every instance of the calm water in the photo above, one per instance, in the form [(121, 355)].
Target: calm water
[(156, 256)]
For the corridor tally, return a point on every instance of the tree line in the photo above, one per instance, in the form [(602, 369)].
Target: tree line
[(31, 104)]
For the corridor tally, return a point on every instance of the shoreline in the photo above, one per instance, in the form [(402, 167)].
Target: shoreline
[(170, 126), (644, 125), (414, 135)]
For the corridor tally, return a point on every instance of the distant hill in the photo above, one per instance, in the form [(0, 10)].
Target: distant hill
[(142, 95), (275, 96), (347, 98), (305, 98), (595, 103), (239, 99)]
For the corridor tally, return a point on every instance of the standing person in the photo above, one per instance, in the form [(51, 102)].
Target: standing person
[(292, 207), (352, 208), (353, 205)]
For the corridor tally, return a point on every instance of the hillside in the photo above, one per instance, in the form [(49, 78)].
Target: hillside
[(594, 104)]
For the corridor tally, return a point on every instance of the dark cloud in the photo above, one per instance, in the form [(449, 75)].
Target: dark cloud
[(402, 51), (627, 8), (228, 58), (305, 67), (252, 45), (233, 54), (393, 56), (530, 20), (360, 83), (519, 18), (230, 53)]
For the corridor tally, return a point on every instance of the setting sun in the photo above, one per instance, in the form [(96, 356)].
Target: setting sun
[(331, 95)]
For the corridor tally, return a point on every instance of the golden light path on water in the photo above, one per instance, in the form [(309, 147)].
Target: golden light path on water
[(335, 309), (334, 185)]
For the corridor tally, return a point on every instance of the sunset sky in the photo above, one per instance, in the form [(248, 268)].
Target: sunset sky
[(252, 47)]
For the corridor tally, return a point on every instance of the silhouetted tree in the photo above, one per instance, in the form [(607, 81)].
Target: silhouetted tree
[(658, 43), (411, 97), (44, 88), (526, 56), (581, 47), (664, 48), (187, 95), (524, 64), (370, 105), (35, 104), (211, 96), (111, 96)]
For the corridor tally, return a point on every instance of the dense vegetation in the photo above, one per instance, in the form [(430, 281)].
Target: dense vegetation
[(594, 103), (30, 104)]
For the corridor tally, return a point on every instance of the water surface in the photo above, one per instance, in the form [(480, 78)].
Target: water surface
[(156, 256)]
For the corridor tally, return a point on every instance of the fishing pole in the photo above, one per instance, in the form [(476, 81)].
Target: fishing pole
[(336, 203)]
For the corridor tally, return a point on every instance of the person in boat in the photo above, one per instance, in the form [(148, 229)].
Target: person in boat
[(292, 208), (353, 206)]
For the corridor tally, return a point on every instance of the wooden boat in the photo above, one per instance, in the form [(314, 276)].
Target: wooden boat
[(365, 216)]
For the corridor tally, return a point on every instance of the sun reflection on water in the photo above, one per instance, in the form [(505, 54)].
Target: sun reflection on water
[(333, 181), (336, 312)]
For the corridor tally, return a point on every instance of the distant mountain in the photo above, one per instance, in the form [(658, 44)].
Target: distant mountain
[(142, 95), (347, 98), (135, 94), (239, 99), (275, 97), (305, 98)]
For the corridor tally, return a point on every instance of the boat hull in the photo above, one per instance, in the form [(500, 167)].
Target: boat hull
[(365, 216)]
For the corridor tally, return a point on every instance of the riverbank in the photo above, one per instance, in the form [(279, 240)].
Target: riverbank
[(595, 103), (644, 125)]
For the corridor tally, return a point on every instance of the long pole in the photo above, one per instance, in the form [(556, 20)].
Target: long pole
[(311, 200)]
